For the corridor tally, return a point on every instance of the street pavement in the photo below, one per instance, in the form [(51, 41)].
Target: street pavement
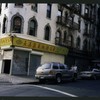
[(11, 79), (18, 87)]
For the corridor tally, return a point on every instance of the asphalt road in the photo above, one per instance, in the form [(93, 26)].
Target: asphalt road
[(80, 88)]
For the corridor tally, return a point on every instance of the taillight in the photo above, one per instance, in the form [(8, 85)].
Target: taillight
[(51, 72)]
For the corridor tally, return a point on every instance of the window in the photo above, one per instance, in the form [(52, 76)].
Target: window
[(59, 12), (96, 70), (79, 24), (78, 43), (78, 8), (70, 40), (62, 66), (55, 66), (34, 7), (17, 24), (66, 16), (4, 25), (65, 36), (86, 12), (85, 45), (32, 27), (0, 7), (66, 67), (19, 4), (47, 33), (49, 10), (6, 5), (58, 37), (46, 66), (86, 27)]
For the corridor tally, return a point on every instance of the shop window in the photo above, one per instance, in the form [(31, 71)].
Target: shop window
[(49, 10), (47, 33), (32, 27), (17, 24)]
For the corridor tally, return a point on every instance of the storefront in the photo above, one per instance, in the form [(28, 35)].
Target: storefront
[(22, 56), (79, 58)]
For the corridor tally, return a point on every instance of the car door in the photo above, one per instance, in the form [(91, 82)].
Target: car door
[(64, 71), (55, 68)]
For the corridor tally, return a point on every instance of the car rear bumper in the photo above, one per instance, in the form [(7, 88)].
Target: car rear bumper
[(45, 77), (85, 76)]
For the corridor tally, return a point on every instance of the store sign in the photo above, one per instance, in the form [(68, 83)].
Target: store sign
[(20, 42), (38, 46), (7, 41)]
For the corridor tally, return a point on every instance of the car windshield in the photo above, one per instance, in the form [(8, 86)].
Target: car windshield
[(45, 66), (96, 70)]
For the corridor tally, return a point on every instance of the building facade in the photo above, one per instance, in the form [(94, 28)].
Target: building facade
[(83, 33), (27, 38), (32, 34)]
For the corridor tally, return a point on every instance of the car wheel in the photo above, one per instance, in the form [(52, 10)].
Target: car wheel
[(58, 79)]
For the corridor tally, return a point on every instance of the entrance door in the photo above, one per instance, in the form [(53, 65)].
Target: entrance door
[(7, 66), (34, 63)]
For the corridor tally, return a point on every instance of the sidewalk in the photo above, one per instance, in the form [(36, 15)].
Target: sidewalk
[(5, 78)]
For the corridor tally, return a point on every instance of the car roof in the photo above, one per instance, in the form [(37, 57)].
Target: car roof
[(54, 63)]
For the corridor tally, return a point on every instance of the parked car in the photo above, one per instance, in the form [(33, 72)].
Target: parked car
[(55, 71), (93, 74)]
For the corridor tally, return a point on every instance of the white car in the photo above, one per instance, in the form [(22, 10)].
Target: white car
[(94, 74), (55, 71)]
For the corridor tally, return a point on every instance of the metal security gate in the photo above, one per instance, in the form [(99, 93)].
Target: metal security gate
[(34, 63)]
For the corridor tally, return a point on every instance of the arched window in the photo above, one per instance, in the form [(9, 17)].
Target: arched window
[(66, 16), (70, 41), (58, 37), (17, 24), (4, 25), (65, 36), (78, 43), (85, 45), (32, 27), (47, 33)]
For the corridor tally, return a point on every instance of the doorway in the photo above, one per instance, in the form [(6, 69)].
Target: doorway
[(35, 61), (7, 66)]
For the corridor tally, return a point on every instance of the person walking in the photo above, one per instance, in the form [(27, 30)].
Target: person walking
[(74, 69)]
